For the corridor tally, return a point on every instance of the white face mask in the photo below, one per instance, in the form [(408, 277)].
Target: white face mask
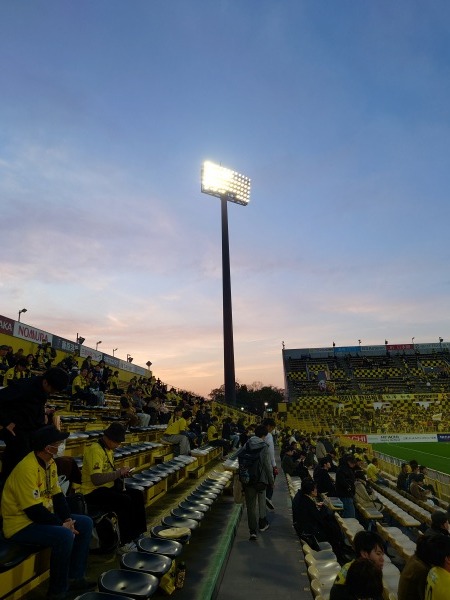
[(56, 450)]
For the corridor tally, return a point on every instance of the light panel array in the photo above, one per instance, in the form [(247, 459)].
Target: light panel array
[(222, 182)]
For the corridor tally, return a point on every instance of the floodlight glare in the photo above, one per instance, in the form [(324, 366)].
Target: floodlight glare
[(229, 186), (225, 183)]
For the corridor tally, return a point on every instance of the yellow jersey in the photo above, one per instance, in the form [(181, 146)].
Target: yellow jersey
[(176, 427), (96, 459), (28, 485), (438, 584)]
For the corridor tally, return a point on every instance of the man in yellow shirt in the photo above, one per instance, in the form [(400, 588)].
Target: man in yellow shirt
[(100, 485), (18, 371), (373, 472), (175, 431), (35, 511), (438, 580), (214, 439)]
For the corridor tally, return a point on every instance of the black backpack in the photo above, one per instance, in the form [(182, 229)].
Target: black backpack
[(250, 468), (106, 535)]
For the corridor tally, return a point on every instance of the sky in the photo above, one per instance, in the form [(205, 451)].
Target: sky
[(338, 111)]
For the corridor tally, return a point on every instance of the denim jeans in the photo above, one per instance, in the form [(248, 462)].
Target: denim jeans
[(349, 508), (69, 553)]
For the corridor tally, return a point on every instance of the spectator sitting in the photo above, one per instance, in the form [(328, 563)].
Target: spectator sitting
[(413, 578), (439, 524), (213, 437), (113, 384), (438, 580), (325, 485), (175, 431), (364, 580), (427, 486), (417, 491), (18, 371), (127, 412), (321, 451), (413, 469), (37, 513), (4, 364), (312, 518), (80, 389), (373, 473), (294, 467), (229, 432), (364, 494), (402, 477), (138, 402), (102, 485), (368, 545)]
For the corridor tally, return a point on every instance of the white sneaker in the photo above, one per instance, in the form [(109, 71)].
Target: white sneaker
[(130, 547)]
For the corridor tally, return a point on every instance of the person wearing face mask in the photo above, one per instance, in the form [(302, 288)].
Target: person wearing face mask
[(35, 511)]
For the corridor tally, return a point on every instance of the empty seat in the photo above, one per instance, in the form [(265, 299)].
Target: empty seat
[(169, 548), (146, 562), (194, 506), (102, 596), (171, 521), (199, 499), (186, 513), (136, 585)]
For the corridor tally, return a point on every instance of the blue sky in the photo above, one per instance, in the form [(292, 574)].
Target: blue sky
[(338, 111)]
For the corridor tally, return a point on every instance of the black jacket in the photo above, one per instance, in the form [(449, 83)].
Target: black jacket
[(345, 481), (23, 403)]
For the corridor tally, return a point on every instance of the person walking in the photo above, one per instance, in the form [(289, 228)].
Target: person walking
[(255, 492)]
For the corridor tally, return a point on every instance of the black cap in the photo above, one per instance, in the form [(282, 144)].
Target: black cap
[(48, 435), (115, 432)]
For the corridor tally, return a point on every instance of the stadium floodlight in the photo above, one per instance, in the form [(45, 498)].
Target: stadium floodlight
[(22, 310), (96, 345), (412, 340), (224, 183), (229, 186), (80, 339), (114, 350)]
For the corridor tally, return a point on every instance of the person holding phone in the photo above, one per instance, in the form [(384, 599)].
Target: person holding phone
[(103, 486)]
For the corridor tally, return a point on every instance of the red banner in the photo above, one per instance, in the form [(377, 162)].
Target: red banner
[(6, 325)]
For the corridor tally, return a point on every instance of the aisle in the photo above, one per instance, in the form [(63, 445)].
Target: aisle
[(272, 566)]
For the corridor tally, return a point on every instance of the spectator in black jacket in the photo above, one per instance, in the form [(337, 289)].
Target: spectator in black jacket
[(345, 484), (312, 518), (22, 412), (325, 485), (402, 477)]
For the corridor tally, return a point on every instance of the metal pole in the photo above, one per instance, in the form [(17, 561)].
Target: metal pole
[(228, 348)]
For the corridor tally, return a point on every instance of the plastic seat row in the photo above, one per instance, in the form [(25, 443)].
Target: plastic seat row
[(400, 515), (140, 572)]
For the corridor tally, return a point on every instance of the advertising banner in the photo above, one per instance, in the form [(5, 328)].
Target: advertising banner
[(398, 438), (443, 437), (6, 325), (94, 354), (59, 343), (25, 332)]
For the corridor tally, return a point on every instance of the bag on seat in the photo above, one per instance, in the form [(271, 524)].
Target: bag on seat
[(105, 535)]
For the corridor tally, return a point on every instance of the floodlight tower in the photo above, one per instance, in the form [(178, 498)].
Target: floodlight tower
[(229, 186)]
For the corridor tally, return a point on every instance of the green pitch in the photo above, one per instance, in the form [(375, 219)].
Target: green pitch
[(434, 455)]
